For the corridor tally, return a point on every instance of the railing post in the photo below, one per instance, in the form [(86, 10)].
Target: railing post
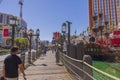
[(33, 56), (23, 59), (29, 57), (37, 56), (87, 59), (73, 51), (39, 53), (80, 51)]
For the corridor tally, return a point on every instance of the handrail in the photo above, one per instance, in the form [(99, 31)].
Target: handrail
[(73, 58), (80, 70), (99, 71), (104, 73), (78, 77)]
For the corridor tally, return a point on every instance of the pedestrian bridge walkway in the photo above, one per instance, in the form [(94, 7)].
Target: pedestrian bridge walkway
[(45, 68)]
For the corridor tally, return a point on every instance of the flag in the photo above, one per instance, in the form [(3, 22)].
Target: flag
[(56, 35)]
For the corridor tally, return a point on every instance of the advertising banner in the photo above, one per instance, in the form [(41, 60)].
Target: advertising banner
[(6, 34), (56, 35)]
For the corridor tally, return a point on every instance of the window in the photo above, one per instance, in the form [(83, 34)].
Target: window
[(118, 1), (101, 6), (10, 32), (0, 38), (96, 7), (7, 19), (1, 18)]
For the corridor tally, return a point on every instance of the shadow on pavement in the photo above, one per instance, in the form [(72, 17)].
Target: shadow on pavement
[(39, 65)]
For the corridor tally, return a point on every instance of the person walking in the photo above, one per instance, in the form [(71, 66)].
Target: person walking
[(11, 65), (45, 51), (52, 50)]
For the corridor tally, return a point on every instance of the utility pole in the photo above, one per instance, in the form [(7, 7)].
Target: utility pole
[(13, 34), (29, 54)]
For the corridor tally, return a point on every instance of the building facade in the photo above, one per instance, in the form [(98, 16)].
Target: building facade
[(6, 29), (118, 12), (5, 20), (45, 43), (6, 36), (110, 10)]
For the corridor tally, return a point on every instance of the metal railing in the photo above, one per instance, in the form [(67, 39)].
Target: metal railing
[(81, 70)]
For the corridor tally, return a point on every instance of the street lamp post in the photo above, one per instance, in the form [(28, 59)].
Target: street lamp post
[(39, 45), (13, 23), (30, 41), (64, 47), (36, 48), (37, 38), (64, 31), (68, 32)]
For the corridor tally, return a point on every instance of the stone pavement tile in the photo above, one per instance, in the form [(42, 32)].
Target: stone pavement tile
[(45, 68), (47, 77)]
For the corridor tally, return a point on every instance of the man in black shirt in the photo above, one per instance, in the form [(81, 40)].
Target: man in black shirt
[(11, 65)]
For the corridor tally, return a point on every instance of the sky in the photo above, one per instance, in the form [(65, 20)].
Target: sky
[(49, 15)]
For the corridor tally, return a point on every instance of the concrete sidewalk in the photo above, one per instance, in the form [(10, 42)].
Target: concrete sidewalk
[(45, 68)]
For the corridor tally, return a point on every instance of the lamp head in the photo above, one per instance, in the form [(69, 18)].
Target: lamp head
[(64, 28)]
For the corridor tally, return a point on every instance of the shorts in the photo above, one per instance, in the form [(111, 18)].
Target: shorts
[(11, 78)]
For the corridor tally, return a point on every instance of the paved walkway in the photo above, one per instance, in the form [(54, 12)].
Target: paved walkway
[(45, 68)]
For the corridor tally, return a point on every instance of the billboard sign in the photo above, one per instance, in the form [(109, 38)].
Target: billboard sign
[(56, 35), (6, 34)]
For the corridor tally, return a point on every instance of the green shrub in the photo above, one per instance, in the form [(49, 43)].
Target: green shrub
[(4, 51)]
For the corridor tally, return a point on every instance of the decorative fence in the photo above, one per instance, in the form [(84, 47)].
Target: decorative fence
[(83, 69)]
